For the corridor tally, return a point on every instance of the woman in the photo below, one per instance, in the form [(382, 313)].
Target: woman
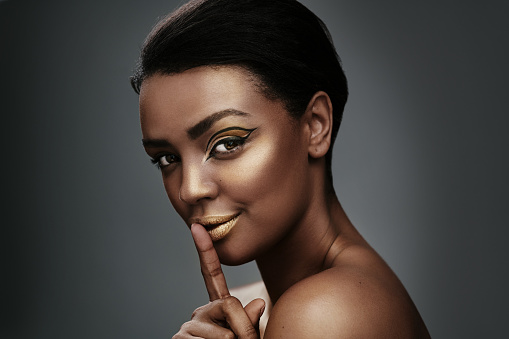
[(240, 104)]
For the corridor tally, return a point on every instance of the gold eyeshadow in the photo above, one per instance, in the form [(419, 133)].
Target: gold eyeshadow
[(229, 132)]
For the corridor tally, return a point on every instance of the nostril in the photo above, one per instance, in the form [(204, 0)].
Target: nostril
[(197, 192)]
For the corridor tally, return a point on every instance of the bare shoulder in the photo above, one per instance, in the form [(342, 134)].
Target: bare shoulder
[(359, 297)]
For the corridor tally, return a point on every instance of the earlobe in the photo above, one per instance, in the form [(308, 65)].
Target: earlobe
[(320, 119)]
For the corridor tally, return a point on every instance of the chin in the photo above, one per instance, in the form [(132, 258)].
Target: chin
[(232, 255)]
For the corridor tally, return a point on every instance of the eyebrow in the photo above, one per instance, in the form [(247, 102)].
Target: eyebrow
[(197, 130), (154, 143), (203, 126)]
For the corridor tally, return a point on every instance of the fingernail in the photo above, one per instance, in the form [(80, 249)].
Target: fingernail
[(262, 310)]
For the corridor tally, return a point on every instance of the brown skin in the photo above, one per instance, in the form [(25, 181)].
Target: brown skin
[(322, 277)]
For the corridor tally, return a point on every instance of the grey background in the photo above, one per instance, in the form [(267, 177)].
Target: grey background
[(91, 247)]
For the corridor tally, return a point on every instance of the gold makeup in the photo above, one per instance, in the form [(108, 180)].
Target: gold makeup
[(218, 226), (240, 132)]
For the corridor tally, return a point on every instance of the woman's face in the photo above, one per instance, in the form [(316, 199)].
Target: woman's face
[(230, 158)]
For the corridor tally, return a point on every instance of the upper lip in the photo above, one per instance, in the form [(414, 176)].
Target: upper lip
[(212, 219)]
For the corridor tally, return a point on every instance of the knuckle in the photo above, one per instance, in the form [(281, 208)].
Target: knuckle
[(200, 310), (213, 270), (229, 335), (196, 312), (250, 332), (185, 327), (177, 336), (231, 302)]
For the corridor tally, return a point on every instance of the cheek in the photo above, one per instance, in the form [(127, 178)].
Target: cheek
[(270, 186), (271, 173), (247, 175)]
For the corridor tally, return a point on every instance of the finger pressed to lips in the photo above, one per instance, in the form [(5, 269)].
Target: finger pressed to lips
[(213, 220), (218, 227), (222, 307), (213, 276)]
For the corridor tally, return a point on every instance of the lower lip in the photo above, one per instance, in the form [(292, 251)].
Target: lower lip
[(222, 230)]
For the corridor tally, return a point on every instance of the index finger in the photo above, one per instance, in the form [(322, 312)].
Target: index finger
[(210, 264)]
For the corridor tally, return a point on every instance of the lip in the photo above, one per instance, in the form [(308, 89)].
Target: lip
[(217, 226)]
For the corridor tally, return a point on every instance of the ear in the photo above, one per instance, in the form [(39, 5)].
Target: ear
[(319, 121)]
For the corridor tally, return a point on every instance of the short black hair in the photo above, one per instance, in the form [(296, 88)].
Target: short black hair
[(281, 42)]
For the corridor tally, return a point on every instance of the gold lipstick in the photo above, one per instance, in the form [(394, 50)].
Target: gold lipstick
[(217, 226)]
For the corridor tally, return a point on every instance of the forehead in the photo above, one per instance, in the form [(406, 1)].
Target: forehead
[(181, 100), (207, 81)]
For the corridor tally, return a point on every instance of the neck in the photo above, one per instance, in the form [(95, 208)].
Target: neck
[(310, 248)]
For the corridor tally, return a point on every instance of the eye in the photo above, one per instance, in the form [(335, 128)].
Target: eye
[(165, 160), (227, 146), (228, 141)]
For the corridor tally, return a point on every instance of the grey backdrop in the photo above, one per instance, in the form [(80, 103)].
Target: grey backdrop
[(92, 247)]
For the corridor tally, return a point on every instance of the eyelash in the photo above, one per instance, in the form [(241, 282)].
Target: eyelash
[(213, 153), (157, 160)]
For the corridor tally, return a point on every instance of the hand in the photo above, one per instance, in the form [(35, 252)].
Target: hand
[(223, 316)]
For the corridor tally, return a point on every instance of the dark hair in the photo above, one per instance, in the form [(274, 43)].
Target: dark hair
[(283, 43)]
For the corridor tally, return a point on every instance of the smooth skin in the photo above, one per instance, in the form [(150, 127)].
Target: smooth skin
[(322, 278)]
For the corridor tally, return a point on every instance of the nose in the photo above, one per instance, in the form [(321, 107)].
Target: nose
[(196, 185)]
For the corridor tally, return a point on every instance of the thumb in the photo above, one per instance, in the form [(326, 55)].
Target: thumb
[(254, 311)]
